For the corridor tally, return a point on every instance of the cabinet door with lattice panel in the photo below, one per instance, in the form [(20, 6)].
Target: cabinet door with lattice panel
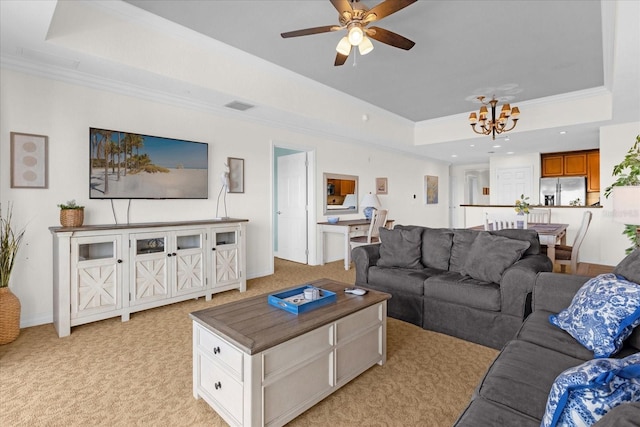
[(97, 275), (225, 256), (149, 275), (189, 262)]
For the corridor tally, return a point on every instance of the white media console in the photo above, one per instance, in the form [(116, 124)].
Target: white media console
[(103, 271)]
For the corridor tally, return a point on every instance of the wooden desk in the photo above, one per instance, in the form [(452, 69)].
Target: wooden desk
[(550, 235), (348, 228)]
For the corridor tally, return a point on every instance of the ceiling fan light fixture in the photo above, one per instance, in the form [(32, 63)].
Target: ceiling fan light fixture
[(344, 47), (365, 46), (356, 35)]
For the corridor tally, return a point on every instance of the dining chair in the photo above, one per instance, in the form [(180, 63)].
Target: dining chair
[(501, 220), (568, 255), (378, 219), (539, 215)]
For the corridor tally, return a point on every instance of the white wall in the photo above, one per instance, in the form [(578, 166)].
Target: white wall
[(64, 112), (615, 141)]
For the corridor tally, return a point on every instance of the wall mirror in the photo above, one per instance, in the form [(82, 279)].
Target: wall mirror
[(340, 194)]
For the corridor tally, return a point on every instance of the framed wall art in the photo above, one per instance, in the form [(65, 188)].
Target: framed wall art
[(236, 175), (29, 158), (431, 189), (381, 185)]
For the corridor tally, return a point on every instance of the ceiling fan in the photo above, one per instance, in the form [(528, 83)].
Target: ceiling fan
[(354, 17)]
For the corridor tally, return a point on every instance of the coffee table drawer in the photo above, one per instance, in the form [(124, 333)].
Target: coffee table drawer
[(220, 350), (287, 355), (353, 325), (220, 386)]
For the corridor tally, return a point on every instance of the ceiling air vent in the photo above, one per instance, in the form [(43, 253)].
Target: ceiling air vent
[(240, 106)]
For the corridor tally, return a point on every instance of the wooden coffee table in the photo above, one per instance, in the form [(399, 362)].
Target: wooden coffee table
[(256, 364)]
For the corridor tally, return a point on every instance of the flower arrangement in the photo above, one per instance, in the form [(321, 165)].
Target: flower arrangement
[(522, 205)]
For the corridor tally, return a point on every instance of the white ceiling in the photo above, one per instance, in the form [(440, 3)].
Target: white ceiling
[(538, 53)]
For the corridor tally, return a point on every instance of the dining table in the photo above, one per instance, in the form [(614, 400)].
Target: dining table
[(550, 235)]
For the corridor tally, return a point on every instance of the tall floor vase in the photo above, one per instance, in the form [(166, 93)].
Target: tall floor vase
[(9, 316)]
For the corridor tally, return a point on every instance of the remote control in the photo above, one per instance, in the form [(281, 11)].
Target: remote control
[(355, 291)]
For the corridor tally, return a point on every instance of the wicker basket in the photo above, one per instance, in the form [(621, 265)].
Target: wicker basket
[(9, 316), (71, 217)]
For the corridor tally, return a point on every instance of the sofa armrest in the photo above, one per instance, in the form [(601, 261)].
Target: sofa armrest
[(364, 257), (518, 281), (554, 291)]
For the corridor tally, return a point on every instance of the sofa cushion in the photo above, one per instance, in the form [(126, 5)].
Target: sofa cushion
[(521, 376), (629, 268), (489, 256), (462, 241), (436, 245), (583, 394), (463, 290), (527, 235), (400, 248), (481, 412), (404, 280), (602, 314), (538, 330)]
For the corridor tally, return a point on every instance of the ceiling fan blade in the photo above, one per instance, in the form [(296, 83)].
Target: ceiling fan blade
[(340, 59), (386, 8), (390, 38), (309, 31), (342, 6)]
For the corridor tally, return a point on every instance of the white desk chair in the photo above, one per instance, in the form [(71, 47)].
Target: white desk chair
[(501, 220), (542, 216), (378, 219), (568, 255)]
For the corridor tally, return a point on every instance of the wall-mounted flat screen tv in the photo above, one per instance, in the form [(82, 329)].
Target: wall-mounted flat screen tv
[(126, 165)]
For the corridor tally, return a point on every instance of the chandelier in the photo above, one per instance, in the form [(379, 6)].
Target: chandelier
[(494, 126)]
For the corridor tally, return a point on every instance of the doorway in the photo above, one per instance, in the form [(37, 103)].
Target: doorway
[(293, 219)]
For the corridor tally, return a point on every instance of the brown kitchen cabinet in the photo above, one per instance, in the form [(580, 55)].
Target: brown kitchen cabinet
[(552, 165), (575, 164), (593, 171)]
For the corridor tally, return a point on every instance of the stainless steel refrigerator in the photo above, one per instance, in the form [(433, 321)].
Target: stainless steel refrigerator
[(562, 191)]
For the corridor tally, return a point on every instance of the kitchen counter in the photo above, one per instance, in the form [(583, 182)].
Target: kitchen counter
[(531, 206)]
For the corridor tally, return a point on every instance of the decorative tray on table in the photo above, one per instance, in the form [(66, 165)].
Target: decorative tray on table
[(294, 300)]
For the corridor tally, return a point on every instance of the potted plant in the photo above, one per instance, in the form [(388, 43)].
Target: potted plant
[(9, 303), (628, 175), (71, 215)]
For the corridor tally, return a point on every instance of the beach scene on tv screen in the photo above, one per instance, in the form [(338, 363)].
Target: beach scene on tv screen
[(132, 166)]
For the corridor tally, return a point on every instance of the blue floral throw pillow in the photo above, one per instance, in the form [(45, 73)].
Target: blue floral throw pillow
[(602, 314), (581, 395)]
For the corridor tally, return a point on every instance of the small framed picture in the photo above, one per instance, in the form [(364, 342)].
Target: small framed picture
[(431, 189), (29, 158), (236, 175), (381, 185)]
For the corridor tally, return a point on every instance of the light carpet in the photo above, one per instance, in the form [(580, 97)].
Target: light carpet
[(138, 373)]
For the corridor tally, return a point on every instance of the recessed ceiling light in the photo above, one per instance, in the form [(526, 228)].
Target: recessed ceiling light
[(509, 152), (562, 132), (472, 145), (454, 155), (507, 139), (497, 146)]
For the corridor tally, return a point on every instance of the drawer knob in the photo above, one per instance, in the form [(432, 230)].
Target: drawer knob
[(217, 385), (216, 350)]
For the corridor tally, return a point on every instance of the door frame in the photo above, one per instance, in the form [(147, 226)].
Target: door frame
[(312, 223)]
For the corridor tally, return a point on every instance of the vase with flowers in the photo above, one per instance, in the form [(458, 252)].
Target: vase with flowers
[(522, 208), (10, 240)]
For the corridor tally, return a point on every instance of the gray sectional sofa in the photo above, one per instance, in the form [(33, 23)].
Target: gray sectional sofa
[(515, 389), (475, 285)]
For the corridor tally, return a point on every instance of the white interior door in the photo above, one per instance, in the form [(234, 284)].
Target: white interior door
[(291, 208), (512, 183)]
